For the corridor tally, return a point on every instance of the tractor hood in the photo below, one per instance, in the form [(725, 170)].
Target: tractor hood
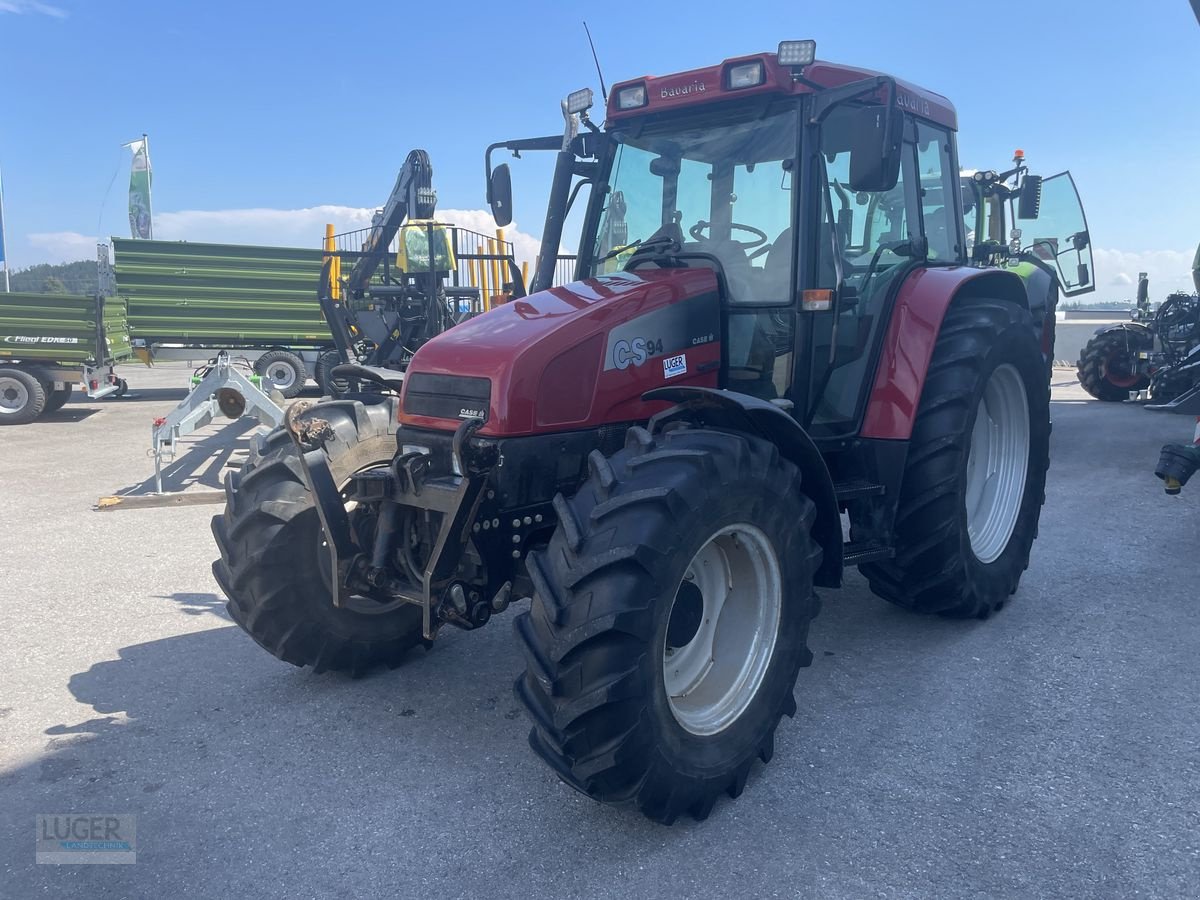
[(571, 357)]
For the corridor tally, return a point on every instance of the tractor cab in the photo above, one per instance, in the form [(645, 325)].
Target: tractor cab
[(813, 191)]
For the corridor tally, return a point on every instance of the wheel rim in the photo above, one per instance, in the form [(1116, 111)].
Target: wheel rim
[(14, 396), (722, 630), (1117, 370), (997, 462), (281, 375)]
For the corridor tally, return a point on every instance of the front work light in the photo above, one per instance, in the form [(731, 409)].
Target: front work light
[(579, 101), (797, 53), (745, 75), (631, 97)]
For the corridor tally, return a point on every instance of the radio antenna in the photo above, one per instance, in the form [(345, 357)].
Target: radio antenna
[(592, 44)]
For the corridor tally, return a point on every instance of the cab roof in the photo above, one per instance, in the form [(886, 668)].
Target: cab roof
[(666, 93)]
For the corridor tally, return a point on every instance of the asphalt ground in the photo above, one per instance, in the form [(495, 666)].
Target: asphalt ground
[(1051, 751)]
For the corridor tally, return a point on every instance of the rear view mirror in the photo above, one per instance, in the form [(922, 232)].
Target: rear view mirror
[(662, 166), (876, 134), (1029, 201), (500, 194)]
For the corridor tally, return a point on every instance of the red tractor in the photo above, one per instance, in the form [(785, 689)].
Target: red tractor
[(779, 359)]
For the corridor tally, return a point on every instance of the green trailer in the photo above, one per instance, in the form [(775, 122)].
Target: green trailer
[(189, 299), (49, 342)]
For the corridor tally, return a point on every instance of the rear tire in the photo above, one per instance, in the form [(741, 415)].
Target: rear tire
[(623, 710), (270, 538), (985, 352), (1107, 367), (282, 371), (56, 399), (22, 396)]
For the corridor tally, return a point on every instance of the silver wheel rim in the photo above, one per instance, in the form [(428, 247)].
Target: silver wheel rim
[(997, 462), (281, 375), (14, 396), (732, 591)]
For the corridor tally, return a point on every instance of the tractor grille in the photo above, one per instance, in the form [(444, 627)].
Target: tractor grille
[(447, 396)]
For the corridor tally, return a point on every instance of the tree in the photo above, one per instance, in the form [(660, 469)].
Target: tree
[(53, 285)]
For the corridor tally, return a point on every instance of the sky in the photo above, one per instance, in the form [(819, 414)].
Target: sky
[(268, 119)]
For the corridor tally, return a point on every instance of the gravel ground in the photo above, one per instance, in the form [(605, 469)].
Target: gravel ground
[(1051, 751)]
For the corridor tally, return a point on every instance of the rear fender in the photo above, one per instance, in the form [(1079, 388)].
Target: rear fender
[(916, 320), (1142, 332), (741, 412)]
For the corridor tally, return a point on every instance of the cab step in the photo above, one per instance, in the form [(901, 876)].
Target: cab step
[(855, 553), (856, 489)]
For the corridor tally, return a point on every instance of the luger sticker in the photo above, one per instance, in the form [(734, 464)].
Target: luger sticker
[(675, 365)]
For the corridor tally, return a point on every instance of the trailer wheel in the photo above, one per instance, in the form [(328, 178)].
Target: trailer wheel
[(330, 386), (975, 476), (283, 371), (22, 396), (56, 399), (1107, 367), (669, 621), (272, 566)]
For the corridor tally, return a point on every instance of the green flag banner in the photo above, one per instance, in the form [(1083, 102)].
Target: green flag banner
[(141, 224)]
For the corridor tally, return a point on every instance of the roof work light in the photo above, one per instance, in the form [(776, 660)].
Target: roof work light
[(797, 53), (579, 101)]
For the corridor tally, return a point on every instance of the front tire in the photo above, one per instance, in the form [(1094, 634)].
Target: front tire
[(272, 558), (649, 679), (975, 476), (1107, 367)]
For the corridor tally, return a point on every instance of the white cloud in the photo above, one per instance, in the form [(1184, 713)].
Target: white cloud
[(61, 246), (1117, 271), (21, 7)]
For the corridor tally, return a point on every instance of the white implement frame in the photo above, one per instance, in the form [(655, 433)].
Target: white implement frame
[(202, 405)]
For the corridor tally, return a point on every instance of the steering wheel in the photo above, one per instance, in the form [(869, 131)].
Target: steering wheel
[(760, 237)]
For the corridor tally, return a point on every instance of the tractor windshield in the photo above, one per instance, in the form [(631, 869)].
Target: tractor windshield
[(726, 183)]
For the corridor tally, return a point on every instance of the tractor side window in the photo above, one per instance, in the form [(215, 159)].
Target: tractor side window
[(939, 182), (620, 223), (861, 232)]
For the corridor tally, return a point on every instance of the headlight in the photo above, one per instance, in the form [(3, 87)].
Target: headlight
[(744, 75), (631, 97)]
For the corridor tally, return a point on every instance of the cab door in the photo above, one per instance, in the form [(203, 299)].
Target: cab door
[(1058, 236)]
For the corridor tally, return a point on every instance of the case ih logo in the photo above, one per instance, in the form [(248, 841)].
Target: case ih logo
[(23, 339)]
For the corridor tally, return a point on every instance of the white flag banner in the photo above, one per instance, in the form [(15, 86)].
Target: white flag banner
[(141, 222)]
